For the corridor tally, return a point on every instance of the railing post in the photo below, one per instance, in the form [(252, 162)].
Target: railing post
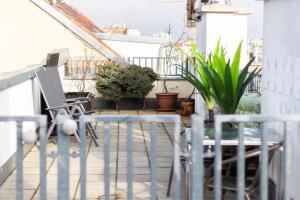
[(19, 161), (63, 163), (43, 157), (153, 161), (197, 158), (241, 163), (218, 159), (82, 131)]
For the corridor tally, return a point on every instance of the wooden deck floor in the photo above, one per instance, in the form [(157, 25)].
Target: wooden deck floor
[(118, 164)]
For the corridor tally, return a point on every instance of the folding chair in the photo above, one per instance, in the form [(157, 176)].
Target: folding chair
[(230, 183), (52, 91)]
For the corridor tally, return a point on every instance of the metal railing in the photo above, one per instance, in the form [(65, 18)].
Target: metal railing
[(153, 120), (25, 138), (168, 67), (197, 172), (255, 85), (195, 157)]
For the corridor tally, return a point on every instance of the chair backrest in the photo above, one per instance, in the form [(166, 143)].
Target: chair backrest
[(51, 87)]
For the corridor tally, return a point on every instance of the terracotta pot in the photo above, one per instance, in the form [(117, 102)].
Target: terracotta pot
[(166, 101), (187, 107)]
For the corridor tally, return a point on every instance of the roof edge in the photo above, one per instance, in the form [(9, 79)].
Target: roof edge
[(73, 27), (131, 38)]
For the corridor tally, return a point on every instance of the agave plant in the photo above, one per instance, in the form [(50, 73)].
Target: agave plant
[(227, 82), (199, 80)]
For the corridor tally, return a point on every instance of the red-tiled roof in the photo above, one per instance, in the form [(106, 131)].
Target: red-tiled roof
[(114, 30), (81, 20)]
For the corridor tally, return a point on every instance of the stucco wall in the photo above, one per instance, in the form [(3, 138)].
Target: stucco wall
[(22, 100), (134, 49), (28, 34), (230, 28), (281, 70)]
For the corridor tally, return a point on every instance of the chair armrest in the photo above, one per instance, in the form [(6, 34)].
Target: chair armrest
[(76, 99), (59, 107), (248, 154)]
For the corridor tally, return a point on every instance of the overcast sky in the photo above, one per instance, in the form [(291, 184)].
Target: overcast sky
[(154, 17)]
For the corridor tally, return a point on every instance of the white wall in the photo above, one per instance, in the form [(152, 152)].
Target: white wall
[(17, 100), (231, 28), (134, 49), (28, 34), (281, 70)]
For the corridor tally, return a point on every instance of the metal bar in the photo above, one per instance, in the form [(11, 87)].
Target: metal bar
[(132, 118), (177, 160), (82, 132), (43, 157), (106, 161), (63, 163), (256, 118), (129, 161), (287, 163), (264, 164), (218, 160), (152, 64), (197, 158), (153, 161), (241, 163), (19, 162)]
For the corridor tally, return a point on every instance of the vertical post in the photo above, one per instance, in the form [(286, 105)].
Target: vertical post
[(43, 157), (287, 162), (241, 163), (146, 62), (106, 161), (129, 161), (177, 159), (218, 160), (19, 161), (82, 132), (264, 163), (63, 163), (152, 63), (153, 161), (197, 158)]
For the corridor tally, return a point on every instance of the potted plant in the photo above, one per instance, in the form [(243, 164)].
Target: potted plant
[(199, 79), (187, 105), (219, 80), (228, 82), (167, 99), (114, 82)]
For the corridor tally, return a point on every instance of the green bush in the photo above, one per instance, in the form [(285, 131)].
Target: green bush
[(249, 104), (113, 81), (137, 81), (108, 80)]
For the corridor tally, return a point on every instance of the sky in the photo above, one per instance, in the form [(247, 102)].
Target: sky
[(152, 17)]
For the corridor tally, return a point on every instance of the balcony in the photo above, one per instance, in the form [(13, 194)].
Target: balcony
[(21, 86)]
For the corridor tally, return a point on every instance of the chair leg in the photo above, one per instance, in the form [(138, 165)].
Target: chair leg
[(170, 180), (93, 134), (77, 137), (247, 196), (92, 130)]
